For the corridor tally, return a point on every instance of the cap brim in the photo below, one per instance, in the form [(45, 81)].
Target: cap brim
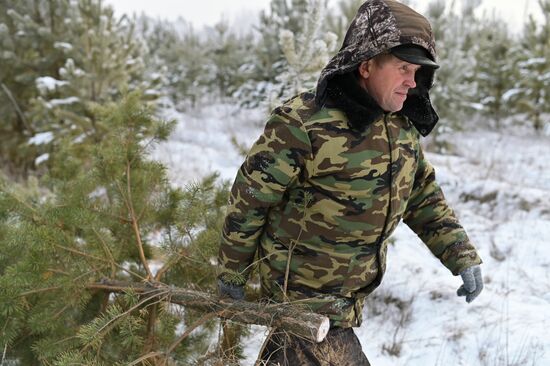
[(414, 55)]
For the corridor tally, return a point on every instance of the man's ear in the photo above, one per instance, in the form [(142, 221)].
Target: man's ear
[(364, 68)]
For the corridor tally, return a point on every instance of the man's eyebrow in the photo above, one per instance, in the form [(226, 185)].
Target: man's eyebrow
[(401, 63)]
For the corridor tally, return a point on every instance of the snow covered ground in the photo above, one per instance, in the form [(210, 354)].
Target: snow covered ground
[(499, 185)]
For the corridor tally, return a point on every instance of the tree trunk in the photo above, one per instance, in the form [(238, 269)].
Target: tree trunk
[(288, 317)]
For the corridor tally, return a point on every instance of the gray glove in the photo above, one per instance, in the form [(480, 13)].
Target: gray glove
[(236, 292), (473, 283)]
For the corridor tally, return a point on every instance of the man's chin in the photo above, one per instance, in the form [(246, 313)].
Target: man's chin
[(396, 108)]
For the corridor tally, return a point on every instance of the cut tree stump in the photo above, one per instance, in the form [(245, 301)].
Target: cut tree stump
[(285, 316)]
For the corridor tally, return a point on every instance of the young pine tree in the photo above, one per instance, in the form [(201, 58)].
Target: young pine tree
[(534, 69), (29, 32), (176, 52), (102, 57), (453, 91), (116, 219), (268, 61), (227, 52), (59, 58), (495, 72), (306, 53)]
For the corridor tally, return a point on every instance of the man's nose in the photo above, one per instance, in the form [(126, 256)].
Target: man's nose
[(409, 81)]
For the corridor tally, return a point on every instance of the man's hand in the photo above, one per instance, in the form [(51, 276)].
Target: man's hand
[(236, 292), (473, 283)]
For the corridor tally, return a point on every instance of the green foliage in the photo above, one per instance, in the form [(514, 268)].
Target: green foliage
[(27, 52), (495, 73), (306, 53), (533, 98), (233, 278), (200, 207), (227, 52), (453, 91), (196, 67), (486, 71), (472, 80), (177, 55), (112, 219), (281, 16), (268, 61), (56, 65)]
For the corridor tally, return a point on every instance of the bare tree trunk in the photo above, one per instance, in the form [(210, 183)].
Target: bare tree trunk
[(288, 317)]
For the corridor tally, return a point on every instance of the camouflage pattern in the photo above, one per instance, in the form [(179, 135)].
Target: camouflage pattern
[(324, 198)]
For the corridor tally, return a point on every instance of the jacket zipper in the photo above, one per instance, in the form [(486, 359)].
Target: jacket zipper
[(381, 239), (390, 182), (388, 212)]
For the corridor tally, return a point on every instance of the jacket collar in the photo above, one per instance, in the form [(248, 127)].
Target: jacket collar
[(344, 92)]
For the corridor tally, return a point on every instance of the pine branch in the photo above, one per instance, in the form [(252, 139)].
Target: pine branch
[(112, 261), (159, 296), (193, 243), (23, 203), (288, 260), (17, 109), (4, 354), (135, 225), (145, 357), (262, 348), (150, 342), (166, 266), (86, 255), (58, 271), (53, 288), (179, 256), (170, 263), (60, 312), (40, 290), (286, 316), (186, 334), (114, 217)]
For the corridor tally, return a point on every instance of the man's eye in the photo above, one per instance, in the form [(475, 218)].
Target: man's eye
[(407, 69)]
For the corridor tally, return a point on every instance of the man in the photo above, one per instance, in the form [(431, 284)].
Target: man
[(331, 177)]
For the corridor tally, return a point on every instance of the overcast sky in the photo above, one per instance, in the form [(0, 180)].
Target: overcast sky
[(243, 12)]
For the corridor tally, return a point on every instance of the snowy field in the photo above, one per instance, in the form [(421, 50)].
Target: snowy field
[(499, 185)]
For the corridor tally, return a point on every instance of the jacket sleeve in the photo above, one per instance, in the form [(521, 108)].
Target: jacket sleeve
[(431, 218), (275, 162)]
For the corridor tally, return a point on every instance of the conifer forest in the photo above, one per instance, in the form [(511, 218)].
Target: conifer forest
[(122, 134)]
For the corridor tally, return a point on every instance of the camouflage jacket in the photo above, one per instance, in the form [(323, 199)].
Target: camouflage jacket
[(326, 197), (330, 178)]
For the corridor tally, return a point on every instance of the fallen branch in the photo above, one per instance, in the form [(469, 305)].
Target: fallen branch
[(287, 317)]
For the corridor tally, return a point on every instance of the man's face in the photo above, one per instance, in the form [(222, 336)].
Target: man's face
[(388, 81)]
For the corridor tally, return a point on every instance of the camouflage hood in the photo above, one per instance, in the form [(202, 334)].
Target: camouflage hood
[(379, 26)]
